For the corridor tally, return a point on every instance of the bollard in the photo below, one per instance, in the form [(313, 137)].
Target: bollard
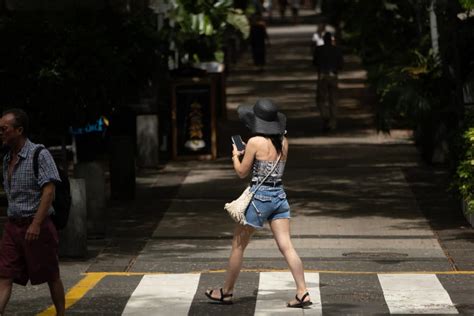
[(73, 238), (93, 175), (147, 140)]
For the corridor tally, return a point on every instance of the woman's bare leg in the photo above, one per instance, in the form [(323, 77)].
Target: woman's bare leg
[(240, 241), (281, 233)]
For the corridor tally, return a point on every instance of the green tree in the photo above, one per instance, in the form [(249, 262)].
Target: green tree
[(197, 29), (467, 4), (415, 85), (68, 69)]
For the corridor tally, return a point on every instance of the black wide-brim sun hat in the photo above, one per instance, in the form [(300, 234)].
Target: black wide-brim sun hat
[(263, 118)]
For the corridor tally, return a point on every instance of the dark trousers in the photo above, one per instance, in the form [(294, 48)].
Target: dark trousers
[(326, 99)]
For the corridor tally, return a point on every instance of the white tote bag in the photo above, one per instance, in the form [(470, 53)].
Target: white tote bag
[(237, 207)]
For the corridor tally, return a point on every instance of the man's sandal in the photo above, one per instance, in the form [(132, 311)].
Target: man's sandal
[(300, 302), (222, 299)]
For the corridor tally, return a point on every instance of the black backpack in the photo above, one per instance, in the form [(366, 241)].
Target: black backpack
[(62, 200)]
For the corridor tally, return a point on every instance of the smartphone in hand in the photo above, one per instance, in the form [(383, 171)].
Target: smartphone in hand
[(237, 141)]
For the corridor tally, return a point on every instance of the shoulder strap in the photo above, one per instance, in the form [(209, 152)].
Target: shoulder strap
[(268, 174), (35, 160)]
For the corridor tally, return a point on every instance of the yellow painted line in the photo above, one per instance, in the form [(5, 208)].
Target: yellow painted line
[(283, 270), (77, 292)]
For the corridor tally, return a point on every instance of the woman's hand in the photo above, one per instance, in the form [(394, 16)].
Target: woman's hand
[(235, 152), (244, 166)]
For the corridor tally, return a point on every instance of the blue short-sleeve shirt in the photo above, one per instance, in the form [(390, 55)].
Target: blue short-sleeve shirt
[(24, 190)]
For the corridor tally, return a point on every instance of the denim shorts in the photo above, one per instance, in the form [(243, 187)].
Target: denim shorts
[(268, 203)]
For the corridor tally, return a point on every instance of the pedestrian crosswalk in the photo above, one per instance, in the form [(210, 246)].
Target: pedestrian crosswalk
[(416, 294), (277, 287), (266, 293), (166, 294)]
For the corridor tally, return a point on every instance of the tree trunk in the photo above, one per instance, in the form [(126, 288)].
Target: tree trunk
[(434, 30)]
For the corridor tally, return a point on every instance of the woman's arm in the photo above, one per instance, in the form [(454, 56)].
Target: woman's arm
[(243, 168)]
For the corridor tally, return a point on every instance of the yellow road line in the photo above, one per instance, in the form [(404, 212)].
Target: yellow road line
[(77, 292), (284, 270)]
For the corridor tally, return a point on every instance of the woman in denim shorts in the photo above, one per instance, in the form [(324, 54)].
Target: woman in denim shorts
[(264, 158)]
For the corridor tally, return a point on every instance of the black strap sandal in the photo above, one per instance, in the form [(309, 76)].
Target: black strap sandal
[(300, 303), (222, 299)]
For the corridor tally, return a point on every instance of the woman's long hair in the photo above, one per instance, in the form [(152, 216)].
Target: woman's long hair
[(277, 141)]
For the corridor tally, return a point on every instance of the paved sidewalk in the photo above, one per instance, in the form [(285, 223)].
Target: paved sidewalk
[(361, 202)]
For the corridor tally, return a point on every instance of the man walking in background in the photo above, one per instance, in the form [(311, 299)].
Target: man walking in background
[(258, 40), (328, 61), (29, 247)]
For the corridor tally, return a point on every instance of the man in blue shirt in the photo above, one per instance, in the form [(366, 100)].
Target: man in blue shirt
[(29, 247)]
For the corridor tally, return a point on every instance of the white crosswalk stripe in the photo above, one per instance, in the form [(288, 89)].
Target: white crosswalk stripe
[(166, 294), (416, 294), (276, 287)]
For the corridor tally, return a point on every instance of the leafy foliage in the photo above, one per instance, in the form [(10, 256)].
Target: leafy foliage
[(413, 89), (467, 4), (69, 69), (393, 39), (409, 93), (198, 28), (384, 31), (464, 178)]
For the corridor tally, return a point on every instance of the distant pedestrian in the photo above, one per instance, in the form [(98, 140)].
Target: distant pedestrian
[(282, 4), (29, 248), (328, 61), (317, 38), (258, 7), (258, 40), (295, 8), (264, 157), (316, 5), (268, 6)]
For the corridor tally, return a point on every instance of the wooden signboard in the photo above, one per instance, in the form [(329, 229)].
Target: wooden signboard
[(193, 119)]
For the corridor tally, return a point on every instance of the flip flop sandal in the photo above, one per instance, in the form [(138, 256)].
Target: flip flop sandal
[(300, 302), (222, 299)]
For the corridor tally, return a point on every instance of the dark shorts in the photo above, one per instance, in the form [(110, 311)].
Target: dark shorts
[(35, 260)]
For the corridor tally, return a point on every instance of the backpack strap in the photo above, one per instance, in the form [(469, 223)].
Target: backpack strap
[(35, 160)]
